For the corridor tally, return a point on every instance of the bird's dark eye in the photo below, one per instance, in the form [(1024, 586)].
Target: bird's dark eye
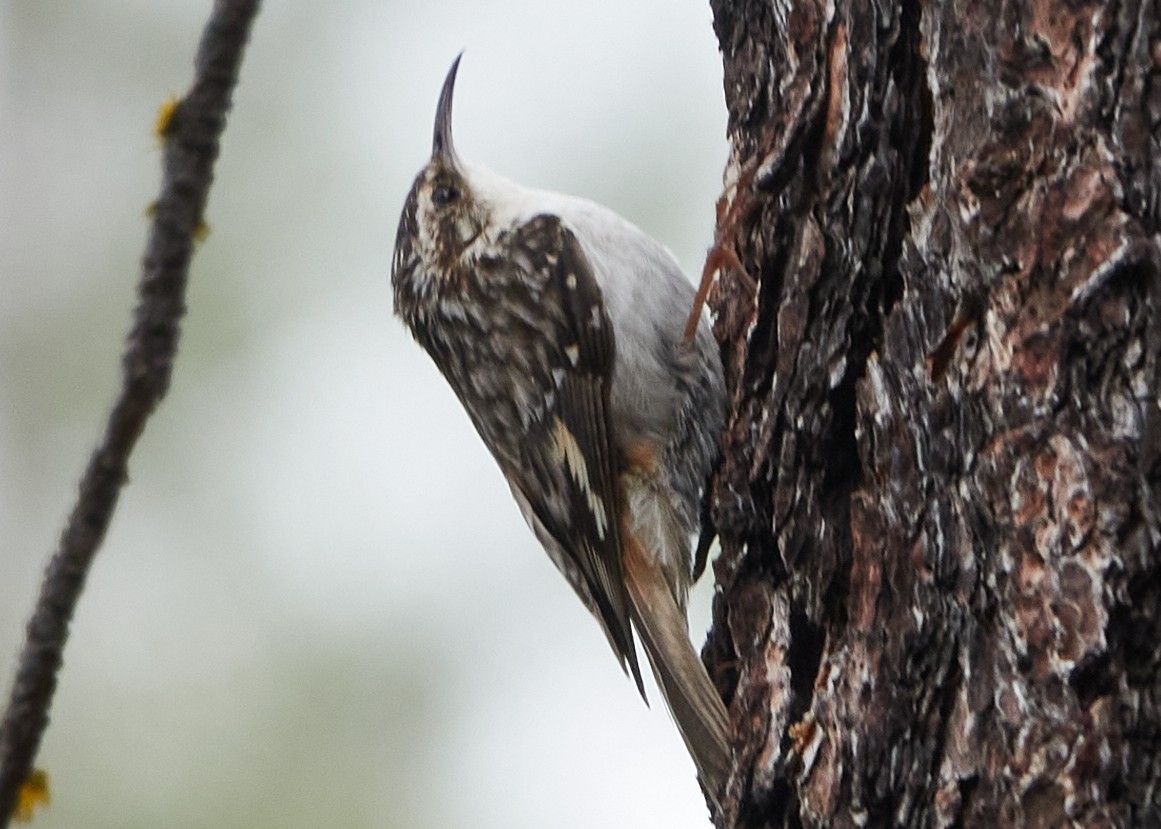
[(444, 194)]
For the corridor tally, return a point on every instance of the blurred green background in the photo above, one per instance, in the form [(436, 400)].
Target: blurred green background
[(318, 605)]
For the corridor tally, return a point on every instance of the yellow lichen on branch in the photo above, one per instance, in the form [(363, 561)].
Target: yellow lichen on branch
[(33, 795), (163, 124)]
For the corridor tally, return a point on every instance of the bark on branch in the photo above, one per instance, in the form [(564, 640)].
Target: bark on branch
[(191, 136)]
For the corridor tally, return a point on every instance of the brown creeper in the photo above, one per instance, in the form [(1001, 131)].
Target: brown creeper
[(560, 327)]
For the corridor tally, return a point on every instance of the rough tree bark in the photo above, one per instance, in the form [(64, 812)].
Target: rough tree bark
[(941, 567)]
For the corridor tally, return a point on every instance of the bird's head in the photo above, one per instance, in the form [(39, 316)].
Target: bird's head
[(442, 216)]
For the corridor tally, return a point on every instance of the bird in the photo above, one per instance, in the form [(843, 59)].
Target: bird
[(560, 326)]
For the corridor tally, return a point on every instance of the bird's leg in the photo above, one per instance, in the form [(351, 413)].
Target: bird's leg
[(723, 252)]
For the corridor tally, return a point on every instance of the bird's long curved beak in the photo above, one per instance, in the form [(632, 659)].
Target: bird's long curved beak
[(442, 148)]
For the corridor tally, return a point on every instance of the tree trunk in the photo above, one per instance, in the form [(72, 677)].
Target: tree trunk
[(941, 537)]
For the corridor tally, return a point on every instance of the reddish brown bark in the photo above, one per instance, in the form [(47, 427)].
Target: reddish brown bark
[(939, 508)]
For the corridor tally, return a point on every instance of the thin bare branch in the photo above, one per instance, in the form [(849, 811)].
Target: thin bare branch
[(192, 134)]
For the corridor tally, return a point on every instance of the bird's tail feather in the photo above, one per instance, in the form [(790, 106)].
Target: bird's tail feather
[(692, 699)]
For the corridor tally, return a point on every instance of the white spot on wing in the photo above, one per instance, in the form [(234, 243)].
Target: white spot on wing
[(568, 452)]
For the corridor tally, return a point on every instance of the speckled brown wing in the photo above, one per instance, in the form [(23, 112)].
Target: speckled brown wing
[(535, 381), (569, 475)]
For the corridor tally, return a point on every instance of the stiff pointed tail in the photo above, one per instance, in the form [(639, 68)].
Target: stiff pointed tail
[(692, 699)]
